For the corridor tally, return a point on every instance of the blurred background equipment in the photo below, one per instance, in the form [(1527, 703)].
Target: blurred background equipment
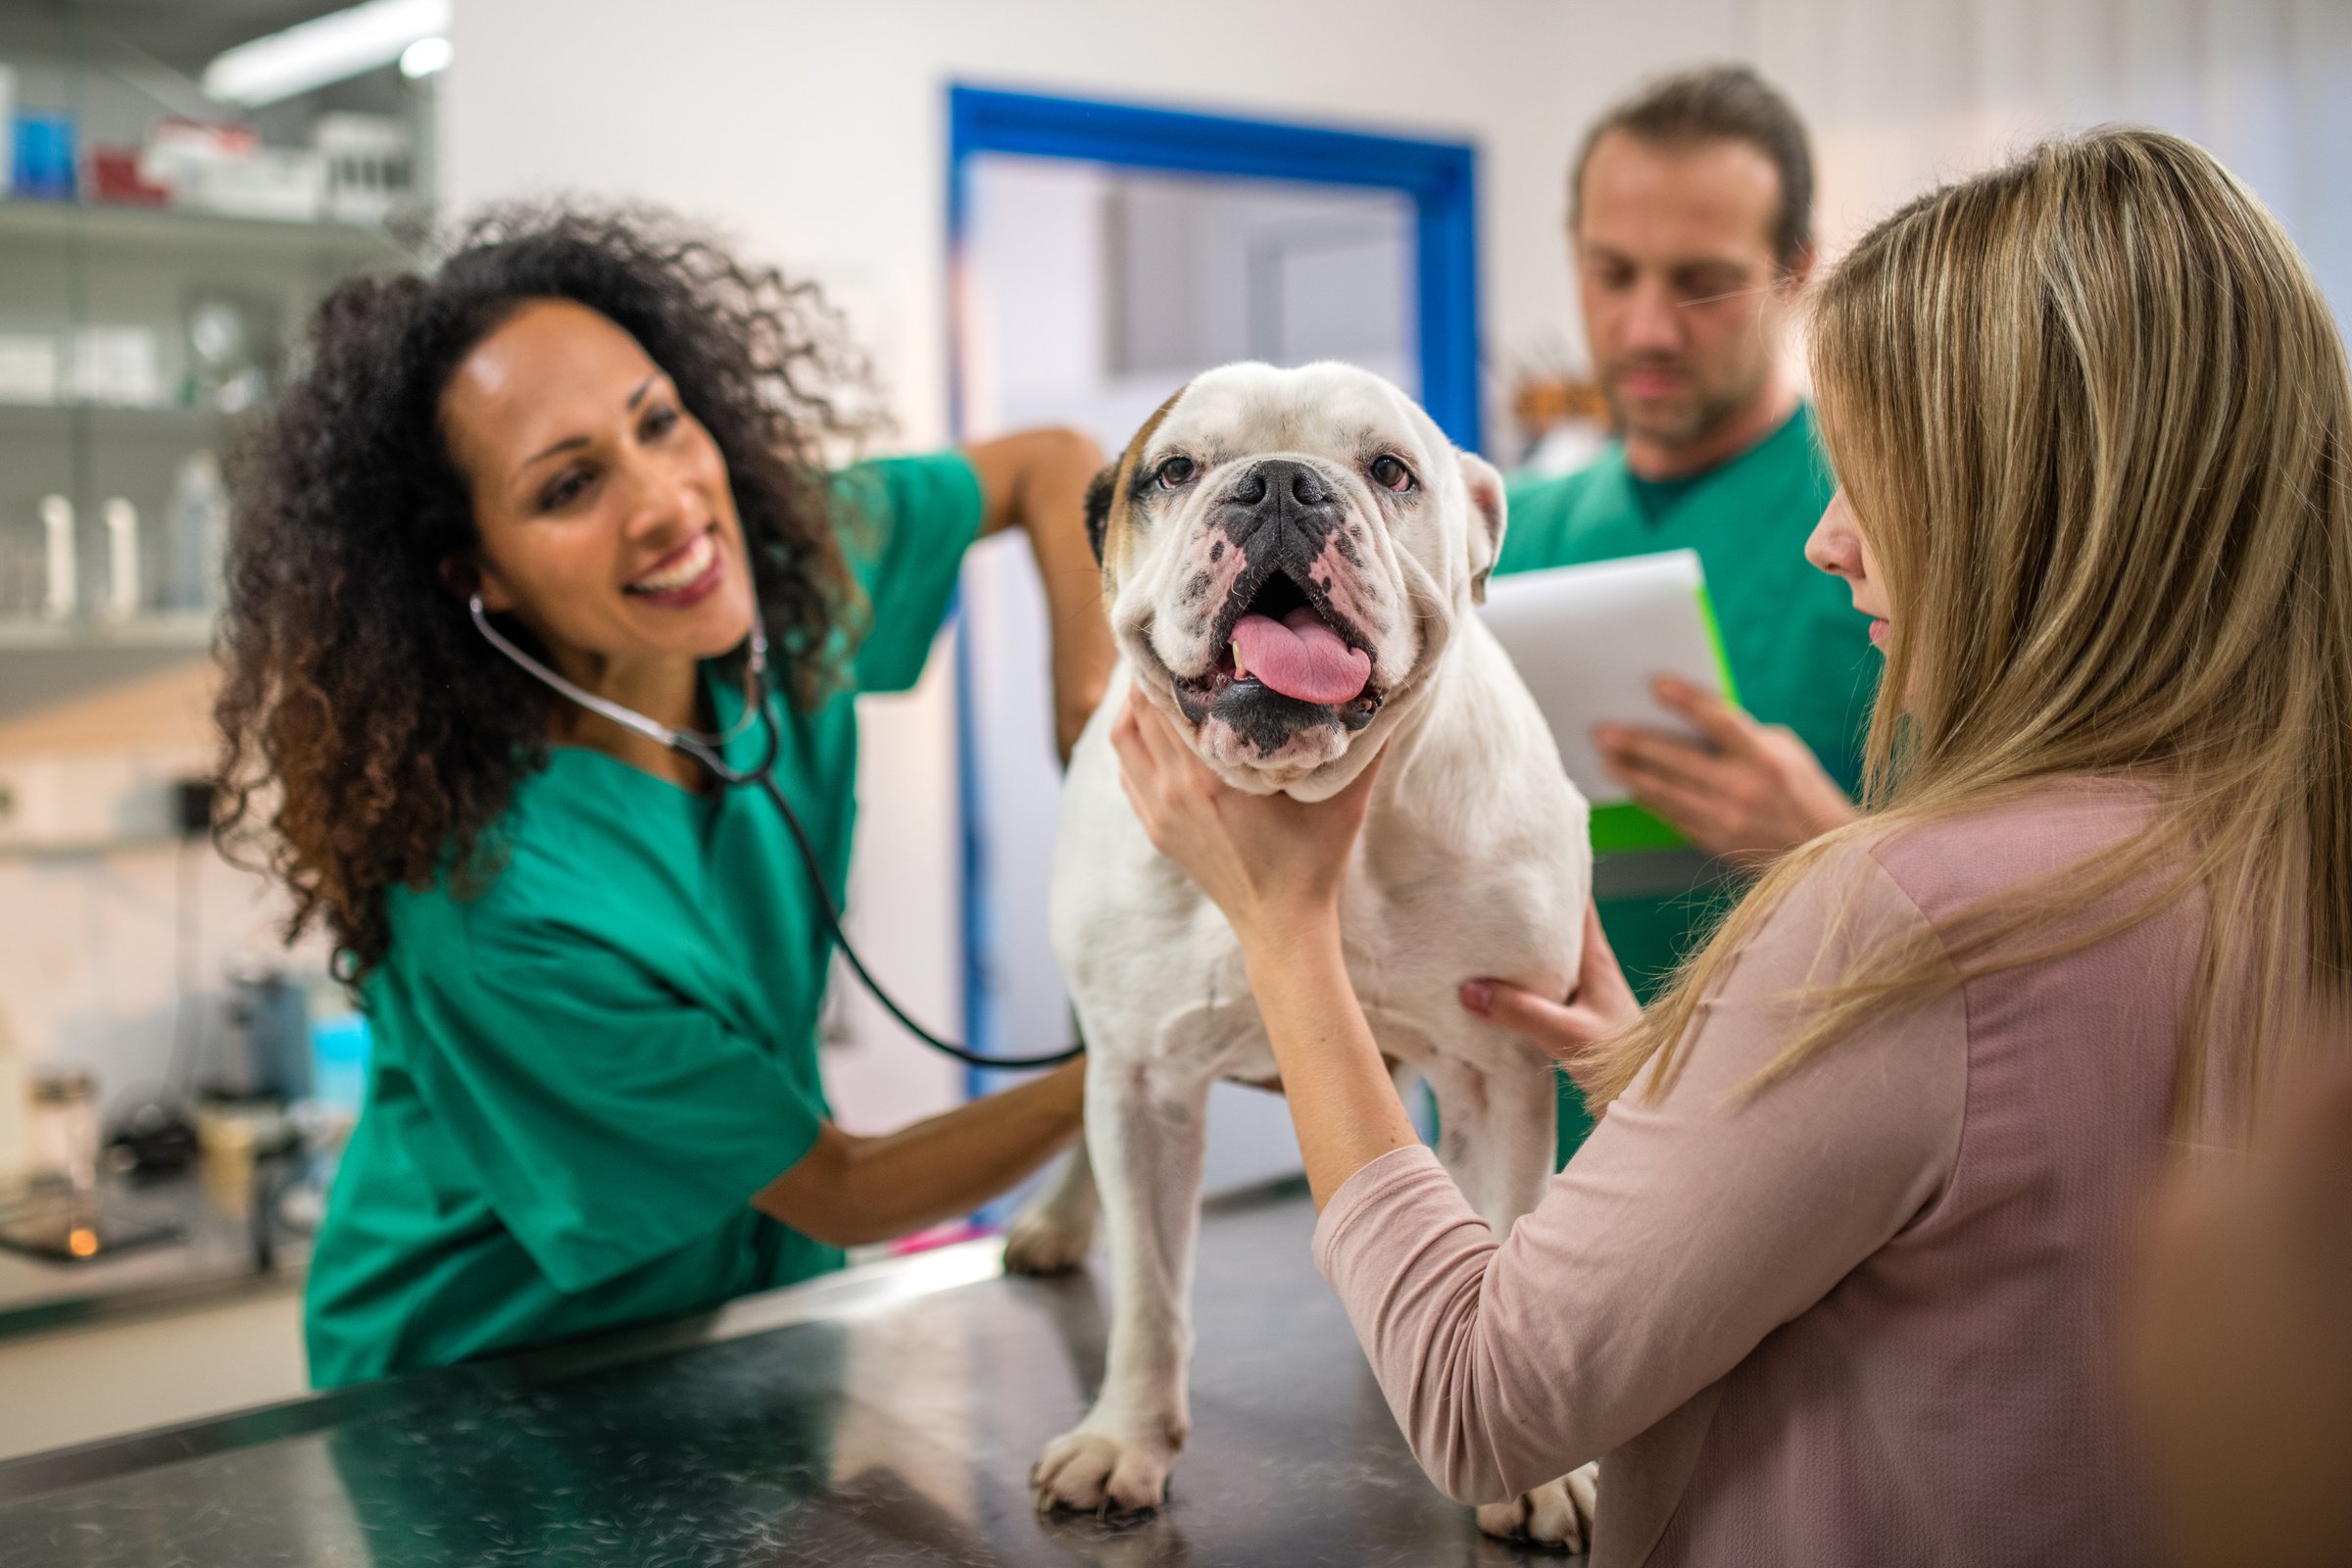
[(1561, 418), (160, 247), (265, 1049)]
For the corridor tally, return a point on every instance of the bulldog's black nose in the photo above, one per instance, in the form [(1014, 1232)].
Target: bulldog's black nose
[(1281, 510), (1283, 479)]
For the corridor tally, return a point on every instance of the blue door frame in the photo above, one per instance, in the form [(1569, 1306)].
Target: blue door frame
[(1440, 179)]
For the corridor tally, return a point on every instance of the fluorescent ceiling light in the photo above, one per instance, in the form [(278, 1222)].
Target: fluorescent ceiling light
[(424, 57), (328, 48)]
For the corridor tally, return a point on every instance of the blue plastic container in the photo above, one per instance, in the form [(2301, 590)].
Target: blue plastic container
[(45, 162), (339, 1049)]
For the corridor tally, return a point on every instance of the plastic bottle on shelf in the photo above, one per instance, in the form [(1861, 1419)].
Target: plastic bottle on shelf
[(196, 534), (122, 559), (64, 572)]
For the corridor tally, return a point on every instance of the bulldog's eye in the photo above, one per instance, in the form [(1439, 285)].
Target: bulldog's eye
[(1176, 473), (1390, 474)]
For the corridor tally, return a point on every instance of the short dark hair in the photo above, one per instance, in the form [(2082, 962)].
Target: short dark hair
[(1718, 103)]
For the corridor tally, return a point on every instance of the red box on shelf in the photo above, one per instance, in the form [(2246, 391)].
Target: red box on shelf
[(115, 177)]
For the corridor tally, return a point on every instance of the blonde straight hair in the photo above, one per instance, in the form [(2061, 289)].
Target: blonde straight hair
[(2092, 415)]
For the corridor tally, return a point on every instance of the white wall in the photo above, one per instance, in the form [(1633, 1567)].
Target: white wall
[(1903, 96)]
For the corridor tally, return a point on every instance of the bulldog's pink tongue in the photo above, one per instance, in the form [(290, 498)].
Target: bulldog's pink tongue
[(1300, 658)]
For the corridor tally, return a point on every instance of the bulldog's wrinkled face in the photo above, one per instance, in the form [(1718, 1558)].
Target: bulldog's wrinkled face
[(1287, 552)]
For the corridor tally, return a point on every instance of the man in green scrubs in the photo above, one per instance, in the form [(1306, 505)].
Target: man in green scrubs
[(1691, 230), (582, 1071)]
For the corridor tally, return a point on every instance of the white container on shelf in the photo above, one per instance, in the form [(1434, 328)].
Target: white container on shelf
[(27, 367), (178, 151), (62, 1116), (371, 165), (224, 169), (287, 184), (64, 570), (122, 559), (118, 365)]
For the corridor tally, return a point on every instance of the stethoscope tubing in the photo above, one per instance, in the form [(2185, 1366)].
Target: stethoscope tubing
[(710, 751)]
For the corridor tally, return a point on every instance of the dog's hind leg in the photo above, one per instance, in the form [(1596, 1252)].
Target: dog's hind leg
[(1055, 1229), (1146, 1129)]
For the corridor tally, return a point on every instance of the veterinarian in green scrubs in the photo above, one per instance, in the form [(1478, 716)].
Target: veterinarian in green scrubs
[(593, 978), (1797, 647), (1691, 230)]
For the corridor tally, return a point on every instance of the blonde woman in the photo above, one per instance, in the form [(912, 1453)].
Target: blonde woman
[(1830, 1284)]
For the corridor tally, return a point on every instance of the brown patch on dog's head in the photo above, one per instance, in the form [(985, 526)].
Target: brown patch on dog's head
[(1108, 496), (1098, 492)]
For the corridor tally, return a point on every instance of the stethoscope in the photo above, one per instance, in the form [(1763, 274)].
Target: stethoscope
[(710, 751)]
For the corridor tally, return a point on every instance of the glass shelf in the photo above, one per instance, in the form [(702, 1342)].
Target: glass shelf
[(178, 229), (111, 419), (191, 630)]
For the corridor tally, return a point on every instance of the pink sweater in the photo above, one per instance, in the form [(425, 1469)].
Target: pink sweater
[(1857, 1320)]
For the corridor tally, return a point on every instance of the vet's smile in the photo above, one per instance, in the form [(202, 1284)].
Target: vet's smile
[(685, 575)]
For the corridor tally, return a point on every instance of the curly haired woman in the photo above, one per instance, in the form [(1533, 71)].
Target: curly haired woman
[(593, 977)]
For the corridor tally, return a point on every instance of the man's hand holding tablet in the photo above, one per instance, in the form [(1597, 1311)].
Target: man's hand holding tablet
[(1625, 661), (1748, 792)]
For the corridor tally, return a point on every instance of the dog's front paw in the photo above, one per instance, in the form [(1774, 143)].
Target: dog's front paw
[(1558, 1514), (1098, 1473), (1042, 1240)]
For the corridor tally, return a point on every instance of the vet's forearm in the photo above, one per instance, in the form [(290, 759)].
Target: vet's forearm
[(1049, 503), (1341, 1100), (852, 1190), (1036, 481)]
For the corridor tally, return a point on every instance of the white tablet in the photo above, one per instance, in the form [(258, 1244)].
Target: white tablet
[(1587, 641)]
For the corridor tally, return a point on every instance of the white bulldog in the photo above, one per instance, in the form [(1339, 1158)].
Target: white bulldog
[(1291, 558)]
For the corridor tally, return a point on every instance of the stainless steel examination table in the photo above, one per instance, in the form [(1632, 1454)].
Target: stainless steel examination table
[(885, 1416)]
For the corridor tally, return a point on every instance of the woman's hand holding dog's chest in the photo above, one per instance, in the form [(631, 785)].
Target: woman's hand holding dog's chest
[(1601, 1004)]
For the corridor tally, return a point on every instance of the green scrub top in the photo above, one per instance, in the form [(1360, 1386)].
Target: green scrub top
[(583, 1073), (1799, 651)]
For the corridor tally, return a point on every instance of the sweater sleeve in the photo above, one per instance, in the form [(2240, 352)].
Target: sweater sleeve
[(1686, 1230)]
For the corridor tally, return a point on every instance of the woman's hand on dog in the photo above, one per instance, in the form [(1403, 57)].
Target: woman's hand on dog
[(1601, 1004), (1273, 864)]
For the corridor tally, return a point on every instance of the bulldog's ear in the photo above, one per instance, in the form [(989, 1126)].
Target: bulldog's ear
[(1098, 506), (1487, 508)]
